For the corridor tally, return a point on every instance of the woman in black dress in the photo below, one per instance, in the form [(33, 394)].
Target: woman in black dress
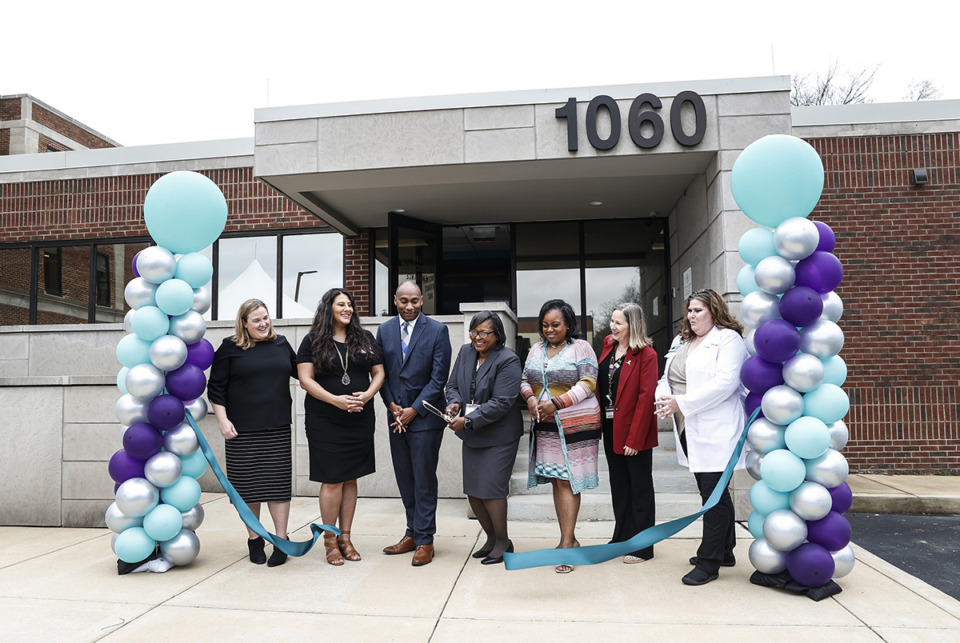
[(249, 390), (341, 370)]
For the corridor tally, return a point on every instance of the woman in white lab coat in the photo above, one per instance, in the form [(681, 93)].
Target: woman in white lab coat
[(701, 390)]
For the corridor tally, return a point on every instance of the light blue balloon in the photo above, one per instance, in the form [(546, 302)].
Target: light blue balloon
[(776, 178), (808, 437), (746, 283), (782, 472), (184, 212), (163, 522), (834, 370), (827, 402), (756, 244), (182, 494), (133, 545), (174, 297), (122, 380), (149, 322), (755, 524), (131, 350), (195, 464), (764, 499), (195, 269)]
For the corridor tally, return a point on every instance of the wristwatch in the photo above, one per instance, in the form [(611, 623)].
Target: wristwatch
[(467, 423)]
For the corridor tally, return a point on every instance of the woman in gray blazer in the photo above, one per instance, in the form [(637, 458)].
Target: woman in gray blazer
[(484, 393)]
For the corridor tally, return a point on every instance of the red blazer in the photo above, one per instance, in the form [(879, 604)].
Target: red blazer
[(634, 422)]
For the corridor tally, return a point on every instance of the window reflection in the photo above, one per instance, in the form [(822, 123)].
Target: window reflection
[(15, 287), (312, 264), (247, 270), (114, 269), (64, 281)]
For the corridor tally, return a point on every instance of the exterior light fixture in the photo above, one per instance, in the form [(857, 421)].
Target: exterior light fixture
[(919, 176)]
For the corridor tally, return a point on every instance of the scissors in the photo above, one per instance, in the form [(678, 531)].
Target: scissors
[(446, 416)]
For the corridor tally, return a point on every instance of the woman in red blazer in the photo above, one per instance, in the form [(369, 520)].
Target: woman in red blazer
[(625, 388)]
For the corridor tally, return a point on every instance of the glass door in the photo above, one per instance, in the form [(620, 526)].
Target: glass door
[(415, 250)]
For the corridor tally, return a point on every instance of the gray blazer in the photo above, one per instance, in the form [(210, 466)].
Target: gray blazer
[(498, 420)]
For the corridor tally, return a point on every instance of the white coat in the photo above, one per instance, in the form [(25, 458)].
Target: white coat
[(713, 404)]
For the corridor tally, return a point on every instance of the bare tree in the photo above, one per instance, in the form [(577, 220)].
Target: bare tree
[(922, 90), (833, 87)]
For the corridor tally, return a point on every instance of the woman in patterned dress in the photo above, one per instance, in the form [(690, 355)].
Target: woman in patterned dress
[(559, 385)]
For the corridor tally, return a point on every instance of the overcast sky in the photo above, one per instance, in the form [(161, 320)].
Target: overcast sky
[(174, 71)]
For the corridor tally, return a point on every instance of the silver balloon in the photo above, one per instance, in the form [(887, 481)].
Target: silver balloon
[(182, 549), (822, 339), (140, 292), (784, 530), (117, 521), (193, 517), (189, 327), (765, 559), (752, 463), (764, 436), (113, 541), (775, 275), (156, 264), (181, 440), (758, 307), (830, 469), (136, 497), (748, 340), (163, 469), (128, 321), (130, 410), (197, 408), (843, 561), (201, 299), (832, 307), (796, 238), (782, 405), (839, 434), (168, 353), (811, 501), (145, 382), (803, 372)]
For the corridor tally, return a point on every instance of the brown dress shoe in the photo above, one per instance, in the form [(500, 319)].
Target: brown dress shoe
[(422, 556), (405, 545)]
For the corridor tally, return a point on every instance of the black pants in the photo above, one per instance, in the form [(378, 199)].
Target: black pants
[(631, 488), (719, 527)]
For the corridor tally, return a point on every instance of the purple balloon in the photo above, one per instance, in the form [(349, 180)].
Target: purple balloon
[(831, 532), (165, 412), (124, 466), (842, 496), (821, 271), (801, 306), (759, 375), (776, 340), (142, 441), (828, 240), (116, 487), (187, 382), (136, 273), (752, 402), (201, 353), (811, 565)]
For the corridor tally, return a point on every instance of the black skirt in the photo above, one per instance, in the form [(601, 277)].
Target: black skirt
[(260, 465), (486, 471)]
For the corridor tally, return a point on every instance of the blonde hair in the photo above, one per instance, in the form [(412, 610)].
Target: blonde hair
[(637, 324), (240, 335)]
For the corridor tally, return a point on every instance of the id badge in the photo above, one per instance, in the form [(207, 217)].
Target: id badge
[(470, 408)]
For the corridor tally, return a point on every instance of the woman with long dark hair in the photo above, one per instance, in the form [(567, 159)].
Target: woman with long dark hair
[(340, 369)]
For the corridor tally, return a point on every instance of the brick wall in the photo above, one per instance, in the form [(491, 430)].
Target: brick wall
[(356, 270), (4, 142), (69, 129), (47, 144), (900, 246), (10, 109)]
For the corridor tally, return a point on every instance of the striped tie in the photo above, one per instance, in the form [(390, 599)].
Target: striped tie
[(405, 338)]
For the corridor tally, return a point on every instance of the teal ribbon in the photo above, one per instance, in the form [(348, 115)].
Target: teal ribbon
[(251, 521), (602, 553)]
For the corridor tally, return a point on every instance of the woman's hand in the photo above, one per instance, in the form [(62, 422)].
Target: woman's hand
[(667, 406), (533, 408), (227, 430), (546, 408), (452, 409), (347, 403), (628, 451), (457, 424)]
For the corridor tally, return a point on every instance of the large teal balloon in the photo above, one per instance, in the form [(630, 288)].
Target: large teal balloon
[(827, 402), (149, 323), (131, 350), (184, 212), (163, 522), (746, 283), (784, 471), (808, 437), (133, 545), (182, 494), (756, 244), (834, 370), (195, 269), (764, 499), (776, 178)]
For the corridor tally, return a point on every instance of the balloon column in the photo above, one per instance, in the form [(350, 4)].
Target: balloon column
[(793, 372), (163, 358)]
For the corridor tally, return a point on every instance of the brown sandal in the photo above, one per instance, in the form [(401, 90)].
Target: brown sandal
[(346, 547), (333, 550)]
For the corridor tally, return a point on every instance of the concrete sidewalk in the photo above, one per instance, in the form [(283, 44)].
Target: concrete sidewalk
[(905, 494), (61, 584)]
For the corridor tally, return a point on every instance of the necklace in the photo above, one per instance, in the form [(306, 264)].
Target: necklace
[(343, 362)]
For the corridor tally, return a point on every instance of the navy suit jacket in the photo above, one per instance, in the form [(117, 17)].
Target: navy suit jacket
[(498, 420), (423, 374)]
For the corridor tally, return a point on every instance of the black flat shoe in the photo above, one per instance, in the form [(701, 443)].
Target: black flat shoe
[(255, 546), (496, 560), (699, 577), (481, 553), (277, 558), (727, 562)]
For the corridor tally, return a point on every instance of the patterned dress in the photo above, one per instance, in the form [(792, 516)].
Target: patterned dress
[(564, 446)]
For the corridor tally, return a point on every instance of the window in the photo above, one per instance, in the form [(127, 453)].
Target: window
[(312, 265), (103, 280), (52, 271)]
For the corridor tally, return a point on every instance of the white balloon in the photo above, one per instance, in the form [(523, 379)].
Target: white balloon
[(144, 382), (843, 560), (758, 307), (811, 501), (189, 326), (796, 238), (201, 299), (764, 436), (775, 275), (156, 264), (193, 517), (163, 469), (181, 440), (182, 549), (839, 434), (197, 408), (128, 320), (782, 405), (830, 469), (140, 292), (117, 521), (784, 530), (752, 462), (168, 353), (748, 340), (822, 338), (803, 372), (766, 559), (136, 497), (130, 410), (832, 307)]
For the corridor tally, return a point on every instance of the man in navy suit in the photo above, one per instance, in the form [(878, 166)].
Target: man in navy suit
[(416, 358)]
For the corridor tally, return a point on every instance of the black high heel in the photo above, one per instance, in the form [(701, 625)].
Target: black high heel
[(494, 560), (481, 553)]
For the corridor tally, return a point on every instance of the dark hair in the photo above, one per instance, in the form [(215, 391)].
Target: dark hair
[(569, 318), (494, 319), (718, 311), (323, 326)]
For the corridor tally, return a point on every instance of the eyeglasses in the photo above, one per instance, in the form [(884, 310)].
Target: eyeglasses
[(480, 334)]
